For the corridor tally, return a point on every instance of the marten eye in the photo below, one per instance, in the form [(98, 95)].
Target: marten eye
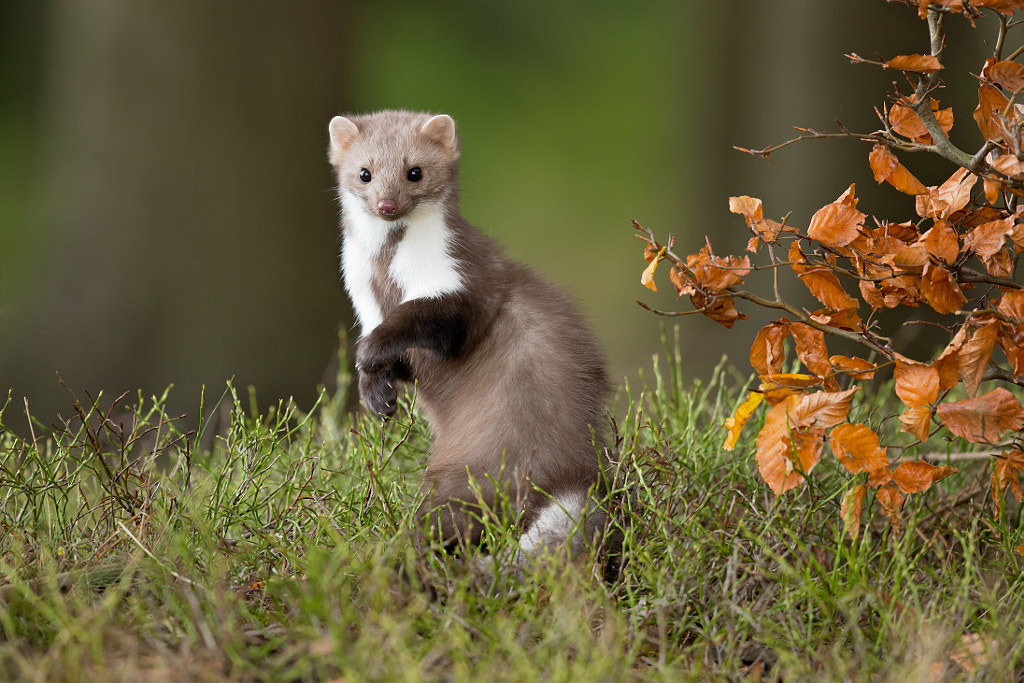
[(364, 176), (415, 174)]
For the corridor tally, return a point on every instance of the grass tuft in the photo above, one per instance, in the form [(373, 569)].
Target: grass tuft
[(277, 546)]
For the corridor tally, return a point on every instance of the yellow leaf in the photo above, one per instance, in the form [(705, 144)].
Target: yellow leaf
[(739, 418), (647, 279)]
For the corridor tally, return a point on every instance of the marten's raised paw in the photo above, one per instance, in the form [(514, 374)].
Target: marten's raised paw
[(379, 391)]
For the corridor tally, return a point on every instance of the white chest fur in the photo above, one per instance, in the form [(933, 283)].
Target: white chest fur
[(422, 265)]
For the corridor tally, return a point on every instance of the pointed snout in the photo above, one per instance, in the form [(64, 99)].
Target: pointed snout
[(387, 208)]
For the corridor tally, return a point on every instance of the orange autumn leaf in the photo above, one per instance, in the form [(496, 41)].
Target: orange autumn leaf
[(1009, 165), (891, 500), (856, 447), (951, 196), (972, 652), (810, 349), (942, 242), (823, 409), (839, 223), (781, 452), (989, 112), (857, 368), (914, 476), (1006, 473), (753, 213), (953, 5), (941, 290), (743, 412), (988, 238), (843, 318), (887, 168), (716, 272), (924, 64), (905, 121), (849, 510), (767, 352), (825, 287), (917, 420), (910, 258), (1007, 74), (974, 355), (1011, 304), (777, 388), (916, 383), (983, 419), (948, 362)]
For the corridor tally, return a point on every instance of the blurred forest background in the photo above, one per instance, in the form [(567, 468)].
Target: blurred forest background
[(167, 211)]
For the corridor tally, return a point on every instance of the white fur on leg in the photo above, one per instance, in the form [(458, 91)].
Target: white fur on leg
[(557, 522)]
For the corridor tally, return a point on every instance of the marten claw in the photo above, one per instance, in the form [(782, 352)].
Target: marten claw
[(379, 392)]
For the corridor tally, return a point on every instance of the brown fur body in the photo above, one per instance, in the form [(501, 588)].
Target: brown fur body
[(509, 377)]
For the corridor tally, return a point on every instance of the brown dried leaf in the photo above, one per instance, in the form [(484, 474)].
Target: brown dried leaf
[(678, 280), (941, 242), (778, 443), (825, 287), (988, 238), (914, 476), (748, 207), (951, 196), (917, 420), (844, 319), (1007, 74), (891, 500), (810, 349), (849, 510), (767, 352), (856, 447), (975, 354), (857, 368), (992, 189), (972, 652), (948, 362), (1006, 473), (910, 258), (819, 411), (999, 264), (1008, 164), (941, 290), (753, 213), (989, 112), (905, 121), (917, 384), (923, 64), (719, 307), (953, 5), (1011, 304), (717, 272), (886, 167), (983, 419), (839, 223)]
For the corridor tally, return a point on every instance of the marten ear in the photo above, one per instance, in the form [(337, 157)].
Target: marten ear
[(343, 132), (441, 129)]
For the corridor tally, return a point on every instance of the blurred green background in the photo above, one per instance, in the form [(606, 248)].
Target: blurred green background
[(167, 213)]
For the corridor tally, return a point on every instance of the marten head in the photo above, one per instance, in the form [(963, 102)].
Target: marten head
[(394, 161)]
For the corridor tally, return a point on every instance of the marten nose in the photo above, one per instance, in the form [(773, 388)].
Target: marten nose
[(387, 207)]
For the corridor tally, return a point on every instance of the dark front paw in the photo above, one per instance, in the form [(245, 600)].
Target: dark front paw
[(374, 354), (379, 391)]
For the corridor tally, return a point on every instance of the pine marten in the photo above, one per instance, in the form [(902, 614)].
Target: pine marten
[(509, 378)]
